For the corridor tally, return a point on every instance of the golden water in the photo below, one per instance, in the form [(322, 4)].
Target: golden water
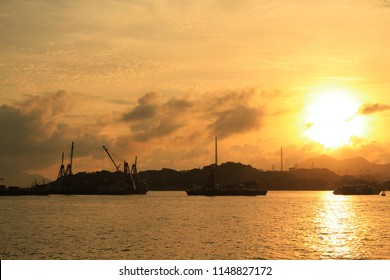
[(171, 225)]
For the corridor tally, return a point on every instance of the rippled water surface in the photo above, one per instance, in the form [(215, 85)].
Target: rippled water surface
[(172, 225)]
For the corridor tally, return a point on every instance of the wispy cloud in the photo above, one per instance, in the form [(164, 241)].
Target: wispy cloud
[(367, 109), (383, 3)]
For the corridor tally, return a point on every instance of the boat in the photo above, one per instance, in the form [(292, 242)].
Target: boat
[(383, 193), (213, 189), (360, 189), (20, 191), (241, 189), (104, 182)]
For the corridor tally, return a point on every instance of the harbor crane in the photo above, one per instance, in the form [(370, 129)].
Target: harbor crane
[(69, 167), (61, 172), (116, 166), (126, 170)]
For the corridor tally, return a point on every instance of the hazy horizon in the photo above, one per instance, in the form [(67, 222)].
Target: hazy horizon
[(160, 79), (358, 167)]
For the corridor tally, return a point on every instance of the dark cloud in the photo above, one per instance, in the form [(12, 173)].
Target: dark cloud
[(215, 101), (147, 108), (35, 132), (153, 119), (222, 113), (236, 120), (178, 104), (367, 109), (14, 129), (233, 112)]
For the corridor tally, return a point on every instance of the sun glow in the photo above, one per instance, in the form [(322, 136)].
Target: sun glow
[(332, 119)]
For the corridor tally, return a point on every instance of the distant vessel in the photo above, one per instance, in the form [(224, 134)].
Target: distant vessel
[(213, 189), (19, 191), (361, 189), (124, 182)]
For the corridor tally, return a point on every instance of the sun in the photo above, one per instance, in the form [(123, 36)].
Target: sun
[(332, 119)]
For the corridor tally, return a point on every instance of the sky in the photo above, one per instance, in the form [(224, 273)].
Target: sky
[(161, 79)]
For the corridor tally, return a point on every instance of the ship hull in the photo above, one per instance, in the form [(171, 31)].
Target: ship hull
[(97, 192), (356, 190), (18, 191), (235, 190), (225, 193), (23, 193)]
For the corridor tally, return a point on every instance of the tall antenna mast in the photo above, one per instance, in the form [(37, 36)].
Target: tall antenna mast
[(216, 151), (281, 158), (71, 156)]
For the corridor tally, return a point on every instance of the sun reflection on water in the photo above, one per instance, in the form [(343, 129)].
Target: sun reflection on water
[(338, 230)]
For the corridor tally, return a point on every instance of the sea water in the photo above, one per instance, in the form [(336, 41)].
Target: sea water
[(291, 225)]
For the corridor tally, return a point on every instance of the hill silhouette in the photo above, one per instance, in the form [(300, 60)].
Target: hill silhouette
[(226, 173), (321, 173), (233, 173), (21, 178), (352, 166)]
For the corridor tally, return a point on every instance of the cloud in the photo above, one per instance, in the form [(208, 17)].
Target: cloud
[(234, 112), (367, 109), (195, 153), (151, 118), (221, 113), (146, 108), (45, 113), (35, 131), (383, 3), (34, 120), (236, 120)]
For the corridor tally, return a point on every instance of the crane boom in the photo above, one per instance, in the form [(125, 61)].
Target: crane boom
[(116, 166)]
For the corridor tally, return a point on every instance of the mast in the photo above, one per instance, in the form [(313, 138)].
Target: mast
[(281, 158), (211, 180), (216, 151), (71, 156)]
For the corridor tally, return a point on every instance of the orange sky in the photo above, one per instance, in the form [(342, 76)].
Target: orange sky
[(160, 79)]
